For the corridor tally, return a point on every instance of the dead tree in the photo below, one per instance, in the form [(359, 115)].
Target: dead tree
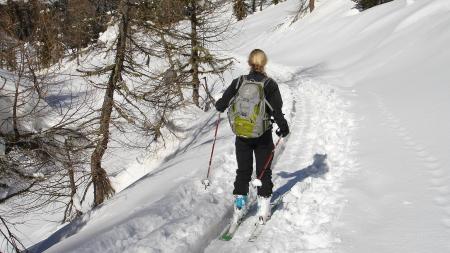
[(195, 58), (100, 180), (206, 30), (138, 97)]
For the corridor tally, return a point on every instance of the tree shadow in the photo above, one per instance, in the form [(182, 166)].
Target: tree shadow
[(207, 126), (193, 142), (66, 231), (318, 168)]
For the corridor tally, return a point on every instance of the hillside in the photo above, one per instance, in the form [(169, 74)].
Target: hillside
[(365, 168)]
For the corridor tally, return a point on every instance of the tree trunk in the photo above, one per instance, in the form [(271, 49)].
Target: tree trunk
[(173, 76), (311, 5), (14, 113), (194, 55), (102, 185), (239, 9), (253, 6), (73, 186), (20, 73)]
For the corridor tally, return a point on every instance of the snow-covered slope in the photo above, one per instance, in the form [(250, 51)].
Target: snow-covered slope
[(368, 90)]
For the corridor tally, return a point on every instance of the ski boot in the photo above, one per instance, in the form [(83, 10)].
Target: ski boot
[(264, 211), (240, 205)]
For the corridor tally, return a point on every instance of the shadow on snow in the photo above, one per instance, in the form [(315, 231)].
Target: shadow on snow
[(318, 168)]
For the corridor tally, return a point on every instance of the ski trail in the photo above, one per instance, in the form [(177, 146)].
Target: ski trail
[(399, 200), (438, 176), (316, 156)]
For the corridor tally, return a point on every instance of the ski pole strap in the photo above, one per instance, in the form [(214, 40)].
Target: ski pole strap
[(214, 144), (269, 158)]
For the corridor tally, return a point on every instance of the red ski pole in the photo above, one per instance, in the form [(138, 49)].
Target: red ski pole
[(257, 181), (205, 181)]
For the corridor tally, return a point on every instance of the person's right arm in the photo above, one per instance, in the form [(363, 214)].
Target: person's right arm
[(230, 92)]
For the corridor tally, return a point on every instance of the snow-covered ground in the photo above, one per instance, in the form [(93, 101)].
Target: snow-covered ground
[(365, 169)]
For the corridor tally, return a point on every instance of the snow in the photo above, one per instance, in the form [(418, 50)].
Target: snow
[(310, 171), (365, 168)]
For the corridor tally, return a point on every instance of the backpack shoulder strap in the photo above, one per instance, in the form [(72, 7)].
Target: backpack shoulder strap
[(239, 82), (267, 80), (238, 86)]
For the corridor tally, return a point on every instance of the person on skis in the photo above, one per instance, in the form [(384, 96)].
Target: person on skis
[(253, 102)]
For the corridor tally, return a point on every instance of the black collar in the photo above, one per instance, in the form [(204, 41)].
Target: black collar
[(254, 72)]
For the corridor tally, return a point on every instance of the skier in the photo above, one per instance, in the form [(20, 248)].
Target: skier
[(253, 130)]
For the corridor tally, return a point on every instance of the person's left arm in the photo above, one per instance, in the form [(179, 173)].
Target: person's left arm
[(275, 100)]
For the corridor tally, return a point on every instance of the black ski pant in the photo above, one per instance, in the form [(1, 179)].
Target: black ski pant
[(262, 147)]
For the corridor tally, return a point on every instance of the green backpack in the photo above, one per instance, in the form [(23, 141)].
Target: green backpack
[(247, 111)]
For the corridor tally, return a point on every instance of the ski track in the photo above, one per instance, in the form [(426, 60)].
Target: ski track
[(438, 176), (321, 127)]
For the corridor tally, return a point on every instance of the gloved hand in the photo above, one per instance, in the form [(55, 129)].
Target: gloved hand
[(283, 131), (219, 106)]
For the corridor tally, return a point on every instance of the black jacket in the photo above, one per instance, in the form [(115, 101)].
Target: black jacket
[(271, 92)]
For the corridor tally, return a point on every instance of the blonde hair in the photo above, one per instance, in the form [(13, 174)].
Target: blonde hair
[(257, 60)]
